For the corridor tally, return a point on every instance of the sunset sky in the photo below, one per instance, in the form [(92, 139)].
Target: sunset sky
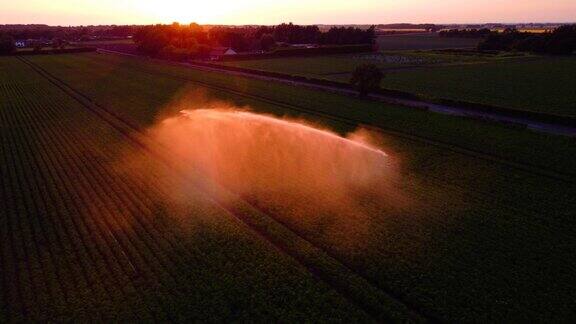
[(75, 12)]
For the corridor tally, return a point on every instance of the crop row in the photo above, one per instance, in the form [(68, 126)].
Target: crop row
[(27, 190)]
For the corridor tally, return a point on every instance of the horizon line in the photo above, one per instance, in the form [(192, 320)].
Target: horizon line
[(317, 24)]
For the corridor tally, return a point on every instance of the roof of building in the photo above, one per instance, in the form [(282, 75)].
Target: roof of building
[(221, 51)]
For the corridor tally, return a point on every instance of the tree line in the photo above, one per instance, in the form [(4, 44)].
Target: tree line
[(70, 33), (178, 41), (562, 40), (173, 41)]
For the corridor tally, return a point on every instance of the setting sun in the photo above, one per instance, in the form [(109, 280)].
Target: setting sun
[(184, 11)]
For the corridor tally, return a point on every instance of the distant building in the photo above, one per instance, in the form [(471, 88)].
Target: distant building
[(20, 43), (218, 52), (304, 45)]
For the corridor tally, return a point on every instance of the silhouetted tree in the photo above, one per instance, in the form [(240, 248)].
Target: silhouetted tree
[(296, 34), (267, 42), (366, 78), (72, 33), (348, 36), (238, 38), (501, 41), (178, 41), (560, 41)]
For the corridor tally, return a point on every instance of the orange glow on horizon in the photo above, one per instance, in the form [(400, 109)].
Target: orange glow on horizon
[(74, 12)]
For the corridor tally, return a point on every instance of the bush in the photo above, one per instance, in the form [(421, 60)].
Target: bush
[(366, 78)]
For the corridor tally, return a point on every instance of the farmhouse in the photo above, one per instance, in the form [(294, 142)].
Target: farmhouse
[(217, 52), (20, 43)]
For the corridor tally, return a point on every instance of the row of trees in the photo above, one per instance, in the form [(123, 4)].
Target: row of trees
[(181, 41), (36, 31), (348, 36), (266, 37), (173, 41), (295, 34), (560, 41), (241, 39), (71, 33), (407, 26)]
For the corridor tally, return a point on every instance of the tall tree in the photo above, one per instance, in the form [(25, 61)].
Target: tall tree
[(267, 42), (366, 78)]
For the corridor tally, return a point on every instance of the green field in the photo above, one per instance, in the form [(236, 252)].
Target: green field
[(426, 41), (66, 255), (489, 236), (341, 66), (541, 84), (329, 66)]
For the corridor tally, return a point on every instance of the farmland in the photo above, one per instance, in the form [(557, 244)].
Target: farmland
[(545, 84), (423, 41), (541, 84), (489, 236), (396, 52), (327, 66), (338, 66), (67, 252), (546, 151)]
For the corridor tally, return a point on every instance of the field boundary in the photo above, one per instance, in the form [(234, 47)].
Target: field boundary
[(302, 52), (377, 301), (53, 51)]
